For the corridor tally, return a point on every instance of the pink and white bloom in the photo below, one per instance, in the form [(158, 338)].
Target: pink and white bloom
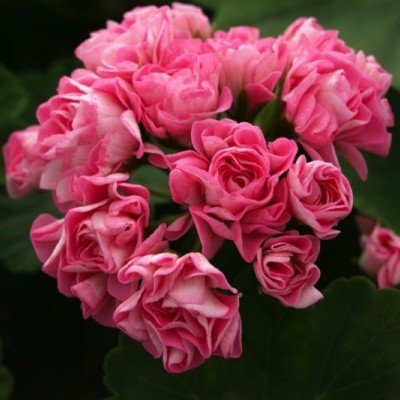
[(320, 195), (333, 97), (251, 65), (85, 250), (23, 163), (141, 38), (173, 99), (231, 183), (307, 31), (389, 274), (285, 268), (177, 311), (86, 131), (380, 255), (381, 78)]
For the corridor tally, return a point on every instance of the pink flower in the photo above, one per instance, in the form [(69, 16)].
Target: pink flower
[(333, 98), (183, 53), (177, 311), (380, 252), (250, 65), (173, 99), (48, 238), (23, 162), (104, 235), (381, 78), (305, 31), (179, 227), (389, 274), (285, 269), (85, 250), (86, 131), (231, 183), (141, 38), (320, 195)]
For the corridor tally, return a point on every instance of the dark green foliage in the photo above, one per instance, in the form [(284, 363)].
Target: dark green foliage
[(344, 347), (6, 380)]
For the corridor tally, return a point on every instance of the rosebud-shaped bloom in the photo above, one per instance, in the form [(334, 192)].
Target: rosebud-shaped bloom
[(305, 31), (231, 183), (105, 234), (142, 36), (49, 240), (180, 309), (172, 99), (285, 269), (85, 250), (250, 65), (380, 252), (23, 162), (378, 247), (183, 53), (389, 274), (380, 77), (320, 195), (333, 98), (86, 131)]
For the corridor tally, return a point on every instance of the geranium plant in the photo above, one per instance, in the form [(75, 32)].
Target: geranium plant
[(199, 175)]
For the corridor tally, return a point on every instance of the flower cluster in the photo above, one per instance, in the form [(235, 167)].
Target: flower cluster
[(161, 88), (380, 257)]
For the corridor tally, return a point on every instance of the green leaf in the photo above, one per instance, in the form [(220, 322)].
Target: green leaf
[(16, 217), (379, 195), (344, 347), (155, 179), (15, 223), (6, 380), (13, 100), (369, 25)]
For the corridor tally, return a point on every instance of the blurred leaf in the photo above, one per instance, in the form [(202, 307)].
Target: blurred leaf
[(17, 216), (368, 25), (345, 347), (156, 180), (379, 195), (15, 222), (6, 380), (13, 100)]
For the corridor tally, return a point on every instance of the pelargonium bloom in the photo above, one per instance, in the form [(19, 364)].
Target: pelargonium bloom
[(320, 195), (86, 131), (305, 31), (23, 162), (251, 65), (173, 99), (285, 268), (380, 255), (181, 309), (231, 183), (85, 250), (334, 99), (122, 48)]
